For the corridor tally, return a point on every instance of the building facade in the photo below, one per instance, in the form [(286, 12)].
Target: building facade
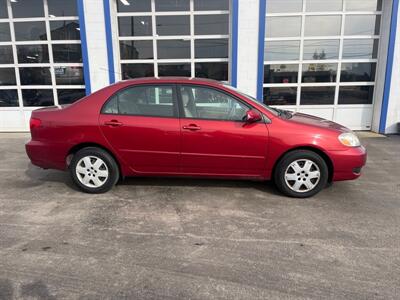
[(337, 59)]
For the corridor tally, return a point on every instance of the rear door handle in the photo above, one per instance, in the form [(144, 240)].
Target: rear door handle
[(113, 123), (192, 127)]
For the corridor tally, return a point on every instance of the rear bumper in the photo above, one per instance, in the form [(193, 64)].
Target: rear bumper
[(347, 165), (45, 155)]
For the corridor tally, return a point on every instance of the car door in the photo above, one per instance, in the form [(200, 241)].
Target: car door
[(141, 124), (215, 139)]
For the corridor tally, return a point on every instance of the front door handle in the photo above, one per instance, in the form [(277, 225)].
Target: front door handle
[(192, 127), (113, 123)]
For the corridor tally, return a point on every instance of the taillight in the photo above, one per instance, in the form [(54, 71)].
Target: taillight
[(35, 123)]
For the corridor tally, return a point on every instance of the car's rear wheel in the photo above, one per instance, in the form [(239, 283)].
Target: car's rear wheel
[(301, 174), (94, 170)]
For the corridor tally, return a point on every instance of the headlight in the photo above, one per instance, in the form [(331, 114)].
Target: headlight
[(349, 139)]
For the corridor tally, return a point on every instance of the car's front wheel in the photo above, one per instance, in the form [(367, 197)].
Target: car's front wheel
[(301, 174), (94, 170)]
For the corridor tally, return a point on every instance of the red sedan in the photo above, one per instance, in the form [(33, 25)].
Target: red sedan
[(190, 127)]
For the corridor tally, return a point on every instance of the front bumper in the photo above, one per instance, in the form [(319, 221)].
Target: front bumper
[(347, 165)]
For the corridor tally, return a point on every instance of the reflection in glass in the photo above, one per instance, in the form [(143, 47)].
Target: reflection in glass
[(27, 8), (134, 6), (137, 70), (65, 30), (35, 76), (321, 49), (174, 69), (364, 5), (360, 48), (319, 73), (67, 53), (282, 50), (281, 73), (322, 25), (362, 25), (7, 76), (33, 54), (282, 27), (61, 8), (214, 70), (3, 9), (136, 49), (323, 5), (284, 6), (211, 5), (211, 24), (280, 96), (69, 75), (134, 26), (36, 97), (356, 94), (5, 32), (67, 96), (172, 5), (352, 72), (30, 31), (211, 48), (173, 49), (8, 98), (318, 95), (173, 25), (6, 55)]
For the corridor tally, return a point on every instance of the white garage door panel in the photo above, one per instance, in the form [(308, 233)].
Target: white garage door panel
[(325, 113), (354, 117), (12, 120)]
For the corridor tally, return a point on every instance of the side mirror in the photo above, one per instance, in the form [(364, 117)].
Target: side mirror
[(252, 116)]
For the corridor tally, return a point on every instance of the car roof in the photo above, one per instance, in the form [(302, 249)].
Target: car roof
[(173, 79)]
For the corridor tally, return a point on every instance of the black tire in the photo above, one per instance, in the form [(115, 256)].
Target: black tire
[(292, 157), (112, 168)]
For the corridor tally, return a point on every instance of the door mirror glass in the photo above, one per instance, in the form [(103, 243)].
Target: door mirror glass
[(252, 116)]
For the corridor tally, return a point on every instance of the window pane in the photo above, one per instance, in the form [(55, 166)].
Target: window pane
[(362, 25), (8, 98), (172, 5), (5, 32), (67, 53), (205, 103), (67, 96), (30, 31), (319, 73), (33, 54), (360, 48), (322, 25), (173, 25), (364, 5), (283, 27), (323, 5), (6, 55), (7, 76), (136, 49), (38, 97), (173, 49), (147, 101), (281, 73), (211, 5), (211, 24), (358, 72), (174, 70), (35, 76), (284, 6), (282, 50), (319, 95), (211, 48), (134, 5), (215, 70), (356, 94), (137, 70), (111, 106), (3, 9), (321, 49), (69, 75), (280, 96), (65, 30), (60, 8), (134, 26), (27, 8)]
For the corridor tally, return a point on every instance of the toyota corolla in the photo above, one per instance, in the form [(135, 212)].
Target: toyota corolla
[(190, 128)]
